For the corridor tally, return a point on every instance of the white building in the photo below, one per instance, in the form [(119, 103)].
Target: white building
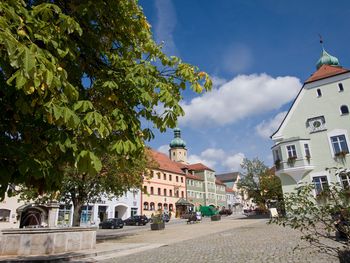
[(314, 135)]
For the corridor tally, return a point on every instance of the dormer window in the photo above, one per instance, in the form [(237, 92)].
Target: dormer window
[(316, 124), (340, 87), (319, 93), (344, 110)]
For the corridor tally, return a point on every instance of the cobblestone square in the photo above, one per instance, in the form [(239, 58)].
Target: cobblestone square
[(231, 240)]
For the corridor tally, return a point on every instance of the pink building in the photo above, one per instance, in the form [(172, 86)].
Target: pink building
[(165, 186)]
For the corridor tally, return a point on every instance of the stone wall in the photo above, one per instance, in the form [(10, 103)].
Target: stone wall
[(46, 241)]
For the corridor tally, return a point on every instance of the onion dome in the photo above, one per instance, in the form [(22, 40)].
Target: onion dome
[(327, 59), (177, 142)]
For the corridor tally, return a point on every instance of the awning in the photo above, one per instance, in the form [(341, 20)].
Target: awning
[(183, 202)]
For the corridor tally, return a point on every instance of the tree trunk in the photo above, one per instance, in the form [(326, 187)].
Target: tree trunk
[(77, 212)]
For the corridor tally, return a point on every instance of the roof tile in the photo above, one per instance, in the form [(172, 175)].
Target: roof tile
[(326, 71)]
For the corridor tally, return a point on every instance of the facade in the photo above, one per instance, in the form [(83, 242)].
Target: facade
[(9, 218), (314, 135), (15, 213), (166, 185)]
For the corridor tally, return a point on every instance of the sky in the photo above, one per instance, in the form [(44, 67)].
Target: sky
[(258, 54)]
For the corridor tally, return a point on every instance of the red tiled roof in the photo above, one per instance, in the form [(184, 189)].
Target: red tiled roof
[(198, 167), (165, 163), (194, 177), (217, 181), (326, 71), (229, 190)]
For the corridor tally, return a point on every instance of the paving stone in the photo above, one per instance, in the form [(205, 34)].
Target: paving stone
[(258, 242)]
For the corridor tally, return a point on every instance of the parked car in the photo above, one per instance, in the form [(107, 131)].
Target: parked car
[(147, 220), (136, 221), (112, 223)]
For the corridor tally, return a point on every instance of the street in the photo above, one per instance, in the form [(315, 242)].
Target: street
[(233, 239)]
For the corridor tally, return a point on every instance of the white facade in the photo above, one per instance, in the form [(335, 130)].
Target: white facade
[(8, 214), (315, 133)]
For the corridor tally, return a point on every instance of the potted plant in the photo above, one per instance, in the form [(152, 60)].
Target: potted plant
[(341, 154), (278, 164), (157, 222), (216, 217), (291, 160)]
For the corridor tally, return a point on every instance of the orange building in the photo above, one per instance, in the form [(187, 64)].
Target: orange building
[(166, 185)]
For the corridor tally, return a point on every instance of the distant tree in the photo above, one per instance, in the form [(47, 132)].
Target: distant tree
[(260, 183), (78, 79)]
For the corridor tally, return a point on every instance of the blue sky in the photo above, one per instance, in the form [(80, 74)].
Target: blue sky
[(258, 53)]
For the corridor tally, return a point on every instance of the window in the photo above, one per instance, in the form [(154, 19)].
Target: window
[(276, 154), (145, 189), (177, 193), (5, 215), (292, 152), (151, 206), (152, 191), (319, 93), (340, 87), (170, 177), (164, 176), (171, 208), (164, 192), (177, 178), (345, 181), (321, 184), (86, 214), (170, 192), (344, 109), (160, 206), (182, 194), (63, 215), (165, 206), (133, 211), (145, 206), (307, 150), (158, 174), (182, 180), (339, 144)]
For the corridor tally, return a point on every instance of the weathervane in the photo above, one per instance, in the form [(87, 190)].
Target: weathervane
[(321, 40)]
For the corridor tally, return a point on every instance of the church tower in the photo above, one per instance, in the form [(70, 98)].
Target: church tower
[(178, 151)]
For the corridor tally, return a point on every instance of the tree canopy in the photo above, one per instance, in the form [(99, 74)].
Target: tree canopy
[(77, 79), (260, 183)]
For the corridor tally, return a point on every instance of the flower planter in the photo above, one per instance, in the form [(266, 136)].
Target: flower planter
[(157, 226), (216, 217)]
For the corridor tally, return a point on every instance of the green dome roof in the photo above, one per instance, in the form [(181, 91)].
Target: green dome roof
[(327, 59), (177, 142)]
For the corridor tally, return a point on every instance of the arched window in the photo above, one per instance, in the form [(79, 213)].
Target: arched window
[(145, 206), (160, 206), (5, 215), (344, 109), (171, 207), (165, 206), (151, 206), (340, 87)]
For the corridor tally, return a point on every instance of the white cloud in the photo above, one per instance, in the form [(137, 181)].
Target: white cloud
[(266, 128), (164, 149), (238, 58), (243, 96), (199, 159), (214, 154), (217, 81), (211, 157), (165, 26), (233, 162)]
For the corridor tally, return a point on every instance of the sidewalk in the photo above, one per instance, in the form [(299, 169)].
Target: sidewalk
[(143, 240)]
